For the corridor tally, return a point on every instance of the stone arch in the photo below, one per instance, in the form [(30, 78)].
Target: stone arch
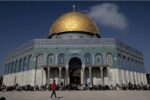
[(75, 65), (75, 61), (50, 59), (88, 58), (39, 60), (9, 68), (20, 65), (12, 67), (61, 58), (109, 58), (16, 66), (29, 62), (6, 66), (77, 56), (124, 60), (98, 59), (24, 64)]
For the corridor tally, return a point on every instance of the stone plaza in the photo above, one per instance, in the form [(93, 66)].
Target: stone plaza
[(77, 95)]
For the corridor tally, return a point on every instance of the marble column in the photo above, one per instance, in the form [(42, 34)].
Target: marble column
[(67, 77), (26, 73), (122, 74), (35, 77), (48, 75), (82, 75), (135, 77), (108, 75), (132, 81), (145, 79), (127, 76), (42, 76), (60, 68), (102, 77), (34, 64), (141, 77), (90, 75)]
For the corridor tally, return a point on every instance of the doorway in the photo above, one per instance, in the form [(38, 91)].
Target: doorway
[(75, 71)]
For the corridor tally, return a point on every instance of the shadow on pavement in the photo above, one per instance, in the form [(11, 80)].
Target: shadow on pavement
[(58, 98)]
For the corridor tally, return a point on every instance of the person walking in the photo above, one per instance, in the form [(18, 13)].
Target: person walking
[(53, 88)]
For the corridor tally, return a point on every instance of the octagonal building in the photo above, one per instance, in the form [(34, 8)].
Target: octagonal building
[(74, 53)]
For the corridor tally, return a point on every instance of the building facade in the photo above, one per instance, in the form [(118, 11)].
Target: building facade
[(74, 53)]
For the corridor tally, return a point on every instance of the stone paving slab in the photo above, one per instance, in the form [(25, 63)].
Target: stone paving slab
[(77, 95)]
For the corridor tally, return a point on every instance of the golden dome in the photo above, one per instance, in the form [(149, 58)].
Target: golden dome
[(74, 22)]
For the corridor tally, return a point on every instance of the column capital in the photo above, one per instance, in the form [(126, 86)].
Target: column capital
[(102, 77), (60, 75), (48, 68), (90, 68), (66, 66), (67, 77), (48, 72), (83, 66), (60, 68)]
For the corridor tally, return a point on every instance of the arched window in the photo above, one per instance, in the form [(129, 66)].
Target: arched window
[(124, 61), (40, 61), (50, 59), (24, 64), (109, 59), (120, 61), (16, 66), (8, 69), (29, 62), (61, 59), (20, 65), (98, 59), (12, 67), (87, 58), (6, 66)]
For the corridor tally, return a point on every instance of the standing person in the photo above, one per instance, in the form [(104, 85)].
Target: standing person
[(53, 88)]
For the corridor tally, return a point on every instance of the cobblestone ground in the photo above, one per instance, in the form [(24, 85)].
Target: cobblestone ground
[(77, 95)]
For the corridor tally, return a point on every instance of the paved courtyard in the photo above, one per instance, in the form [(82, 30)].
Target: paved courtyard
[(77, 95)]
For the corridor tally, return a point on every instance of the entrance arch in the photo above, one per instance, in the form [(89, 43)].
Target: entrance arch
[(75, 70)]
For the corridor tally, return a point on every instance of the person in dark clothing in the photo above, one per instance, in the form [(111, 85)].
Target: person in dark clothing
[(2, 98), (53, 88)]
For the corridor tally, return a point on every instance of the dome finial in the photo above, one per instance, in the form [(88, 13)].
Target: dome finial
[(74, 7)]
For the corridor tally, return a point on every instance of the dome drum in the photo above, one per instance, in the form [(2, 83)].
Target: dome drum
[(78, 32)]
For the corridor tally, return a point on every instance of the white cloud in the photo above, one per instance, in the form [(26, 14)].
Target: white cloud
[(108, 14)]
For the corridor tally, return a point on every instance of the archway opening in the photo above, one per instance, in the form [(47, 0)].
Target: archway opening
[(75, 71)]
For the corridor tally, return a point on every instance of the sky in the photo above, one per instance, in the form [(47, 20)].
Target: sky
[(127, 21)]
